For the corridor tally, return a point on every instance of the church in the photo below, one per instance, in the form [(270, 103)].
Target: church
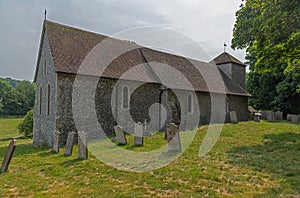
[(90, 82)]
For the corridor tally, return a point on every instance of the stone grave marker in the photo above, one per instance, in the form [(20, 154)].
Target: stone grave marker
[(257, 117), (289, 117), (69, 144), (295, 119), (121, 138), (56, 141), (270, 116), (146, 133), (264, 115), (8, 156), (278, 116), (138, 134), (82, 145), (233, 117), (173, 137)]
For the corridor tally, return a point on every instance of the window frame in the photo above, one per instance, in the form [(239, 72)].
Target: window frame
[(123, 97), (190, 105)]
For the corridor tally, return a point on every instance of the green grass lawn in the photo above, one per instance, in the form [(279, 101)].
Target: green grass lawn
[(249, 160)]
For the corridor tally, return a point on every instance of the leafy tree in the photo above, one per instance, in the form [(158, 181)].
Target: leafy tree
[(271, 29), (26, 127)]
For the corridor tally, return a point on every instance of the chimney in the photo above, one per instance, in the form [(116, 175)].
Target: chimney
[(232, 67)]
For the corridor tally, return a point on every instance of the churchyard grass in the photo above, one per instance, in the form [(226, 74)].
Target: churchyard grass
[(249, 160)]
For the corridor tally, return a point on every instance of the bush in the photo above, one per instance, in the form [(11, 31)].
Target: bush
[(26, 127)]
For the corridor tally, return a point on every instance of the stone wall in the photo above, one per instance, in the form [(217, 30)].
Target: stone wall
[(44, 122), (239, 104)]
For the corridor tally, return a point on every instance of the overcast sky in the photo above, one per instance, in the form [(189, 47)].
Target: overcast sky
[(208, 22)]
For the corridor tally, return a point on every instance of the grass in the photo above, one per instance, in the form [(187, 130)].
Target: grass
[(249, 160)]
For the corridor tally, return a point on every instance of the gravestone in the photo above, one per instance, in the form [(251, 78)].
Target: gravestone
[(56, 141), (69, 144), (138, 134), (120, 135), (270, 116), (278, 116), (264, 115), (233, 117), (295, 119), (257, 117), (146, 133), (173, 137), (82, 145), (289, 117), (8, 156)]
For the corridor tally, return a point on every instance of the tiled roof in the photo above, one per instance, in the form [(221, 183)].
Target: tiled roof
[(77, 51), (226, 58)]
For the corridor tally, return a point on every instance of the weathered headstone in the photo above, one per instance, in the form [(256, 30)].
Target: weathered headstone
[(56, 140), (233, 117), (8, 156), (121, 138), (289, 117), (295, 119), (69, 144), (173, 137), (146, 132), (138, 134), (278, 116), (257, 117), (82, 145), (270, 116), (264, 115)]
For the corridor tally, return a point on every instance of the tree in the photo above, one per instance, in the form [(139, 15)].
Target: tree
[(26, 127), (271, 29)]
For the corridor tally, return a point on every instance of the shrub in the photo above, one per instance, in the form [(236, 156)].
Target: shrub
[(26, 126)]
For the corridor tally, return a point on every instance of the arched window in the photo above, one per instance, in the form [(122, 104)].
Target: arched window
[(48, 101), (45, 67), (40, 99), (125, 98), (190, 103)]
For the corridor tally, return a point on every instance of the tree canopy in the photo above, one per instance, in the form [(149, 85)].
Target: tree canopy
[(16, 97), (270, 31)]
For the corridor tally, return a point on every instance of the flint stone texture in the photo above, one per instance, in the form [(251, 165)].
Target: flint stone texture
[(108, 105), (8, 156)]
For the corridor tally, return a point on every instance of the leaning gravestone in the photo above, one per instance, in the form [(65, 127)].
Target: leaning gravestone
[(233, 117), (69, 144), (8, 156), (82, 145), (56, 141), (270, 116), (278, 116), (138, 134), (173, 137), (289, 117), (121, 138), (257, 117)]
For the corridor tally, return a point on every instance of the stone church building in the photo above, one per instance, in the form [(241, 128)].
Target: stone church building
[(138, 85)]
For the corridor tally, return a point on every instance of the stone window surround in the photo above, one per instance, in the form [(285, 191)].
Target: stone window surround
[(190, 109), (128, 97), (48, 99)]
